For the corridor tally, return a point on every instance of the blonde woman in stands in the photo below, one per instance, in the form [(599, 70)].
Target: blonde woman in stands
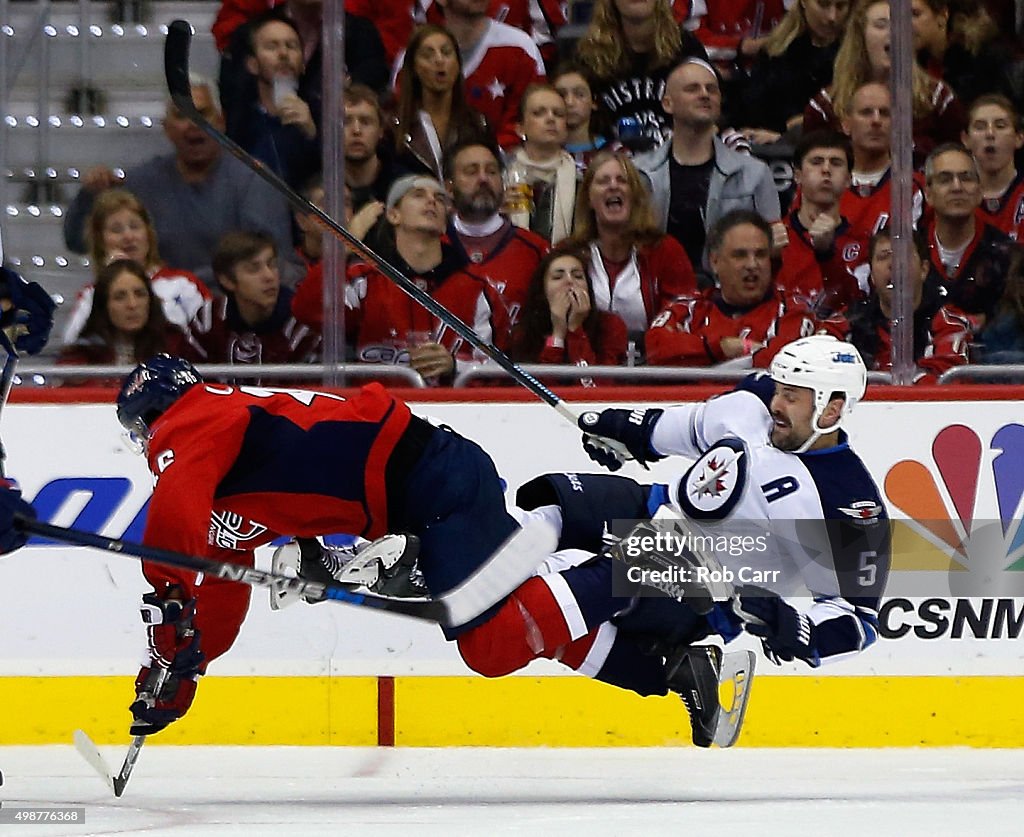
[(863, 56), (794, 63), (119, 227), (126, 324), (635, 268), (628, 51)]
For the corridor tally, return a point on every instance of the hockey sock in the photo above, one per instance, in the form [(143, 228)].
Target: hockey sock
[(542, 616), (584, 594), (627, 667)]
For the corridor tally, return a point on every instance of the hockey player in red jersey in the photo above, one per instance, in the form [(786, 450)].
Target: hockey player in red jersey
[(237, 467)]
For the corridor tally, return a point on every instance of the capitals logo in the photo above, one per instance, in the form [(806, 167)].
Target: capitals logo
[(968, 500)]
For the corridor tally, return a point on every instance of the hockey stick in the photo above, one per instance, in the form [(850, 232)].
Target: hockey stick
[(514, 562), (176, 64), (91, 753)]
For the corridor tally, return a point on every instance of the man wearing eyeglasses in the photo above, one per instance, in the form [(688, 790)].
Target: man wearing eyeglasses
[(969, 258)]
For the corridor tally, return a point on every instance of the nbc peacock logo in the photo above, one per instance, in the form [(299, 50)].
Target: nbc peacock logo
[(966, 506)]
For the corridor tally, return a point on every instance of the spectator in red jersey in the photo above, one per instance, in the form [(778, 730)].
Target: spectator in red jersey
[(543, 166), (540, 19), (308, 301), (994, 135), (386, 325), (126, 323), (823, 252), (498, 63), (744, 317), (119, 227), (560, 323), (969, 258), (864, 56), (502, 253), (794, 63), (867, 203), (252, 323), (395, 20), (636, 270), (311, 229), (629, 49), (734, 33), (942, 335), (432, 114)]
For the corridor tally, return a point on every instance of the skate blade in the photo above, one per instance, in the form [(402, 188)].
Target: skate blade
[(734, 691)]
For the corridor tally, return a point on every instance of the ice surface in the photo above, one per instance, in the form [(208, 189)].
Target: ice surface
[(584, 792)]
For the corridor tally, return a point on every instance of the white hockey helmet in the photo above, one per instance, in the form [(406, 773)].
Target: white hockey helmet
[(825, 365)]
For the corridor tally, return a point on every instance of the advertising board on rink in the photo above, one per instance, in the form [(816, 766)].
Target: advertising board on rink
[(952, 475), (951, 472)]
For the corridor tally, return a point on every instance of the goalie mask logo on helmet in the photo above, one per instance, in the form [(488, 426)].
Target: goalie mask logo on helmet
[(150, 389)]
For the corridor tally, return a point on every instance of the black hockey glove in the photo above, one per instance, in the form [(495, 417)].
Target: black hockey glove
[(786, 633), (164, 689), (30, 315), (11, 537), (632, 428)]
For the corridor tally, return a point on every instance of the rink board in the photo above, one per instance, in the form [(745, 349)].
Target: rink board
[(945, 673), (430, 711)]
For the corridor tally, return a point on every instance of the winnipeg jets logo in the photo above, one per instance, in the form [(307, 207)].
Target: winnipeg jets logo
[(712, 481), (232, 531), (862, 510), (713, 485)]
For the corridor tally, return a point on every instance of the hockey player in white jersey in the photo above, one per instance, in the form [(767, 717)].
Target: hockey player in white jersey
[(780, 459), (770, 457)]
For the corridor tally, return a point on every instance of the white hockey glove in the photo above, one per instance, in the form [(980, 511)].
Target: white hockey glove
[(386, 566)]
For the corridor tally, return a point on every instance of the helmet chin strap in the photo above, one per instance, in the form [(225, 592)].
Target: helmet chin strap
[(818, 430)]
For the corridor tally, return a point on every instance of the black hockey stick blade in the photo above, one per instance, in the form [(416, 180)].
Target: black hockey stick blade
[(176, 62), (513, 562)]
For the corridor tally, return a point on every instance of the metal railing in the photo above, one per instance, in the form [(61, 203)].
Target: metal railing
[(49, 374), (42, 373), (1006, 373), (631, 375)]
